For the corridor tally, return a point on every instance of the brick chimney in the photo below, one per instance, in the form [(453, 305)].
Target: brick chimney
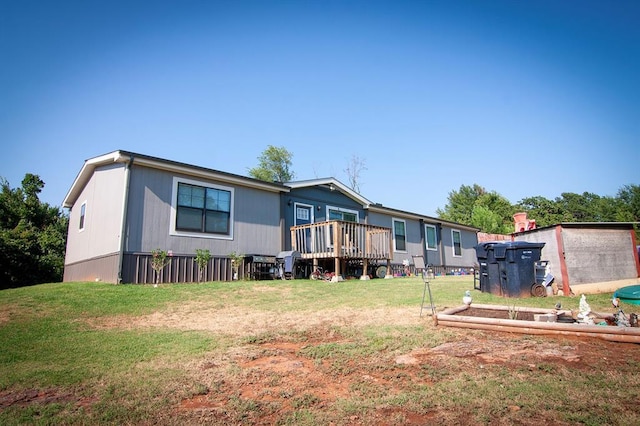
[(522, 223)]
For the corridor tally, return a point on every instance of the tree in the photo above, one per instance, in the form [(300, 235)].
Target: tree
[(274, 165), (629, 203), (460, 205), (545, 212), (354, 168), (488, 221), (475, 206), (32, 235)]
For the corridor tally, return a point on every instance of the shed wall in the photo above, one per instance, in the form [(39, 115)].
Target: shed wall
[(598, 255), (549, 252)]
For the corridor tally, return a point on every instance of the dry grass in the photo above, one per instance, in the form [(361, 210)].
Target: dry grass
[(302, 353)]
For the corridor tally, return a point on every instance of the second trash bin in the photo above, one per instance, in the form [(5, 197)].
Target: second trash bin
[(508, 268)]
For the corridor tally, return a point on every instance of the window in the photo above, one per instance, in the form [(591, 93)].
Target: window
[(457, 245), (399, 235), (83, 212), (201, 209), (335, 213), (430, 236)]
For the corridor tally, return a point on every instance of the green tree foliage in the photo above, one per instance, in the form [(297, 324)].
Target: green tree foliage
[(475, 206), (274, 165), (629, 203), (460, 205), (33, 235), (545, 212)]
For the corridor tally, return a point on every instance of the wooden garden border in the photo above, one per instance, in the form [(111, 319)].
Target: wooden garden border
[(448, 318)]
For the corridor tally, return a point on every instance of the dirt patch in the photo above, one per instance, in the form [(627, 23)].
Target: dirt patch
[(246, 321), (494, 313), (279, 373), (268, 381), (40, 396)]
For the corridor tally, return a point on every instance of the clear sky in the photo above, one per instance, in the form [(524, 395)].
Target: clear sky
[(523, 98)]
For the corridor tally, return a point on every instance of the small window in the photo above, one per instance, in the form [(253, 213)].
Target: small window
[(400, 235), (457, 244), (431, 239), (83, 211)]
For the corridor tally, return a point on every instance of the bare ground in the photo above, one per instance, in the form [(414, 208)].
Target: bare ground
[(276, 374)]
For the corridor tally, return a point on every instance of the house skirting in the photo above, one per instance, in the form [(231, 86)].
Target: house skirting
[(102, 268)]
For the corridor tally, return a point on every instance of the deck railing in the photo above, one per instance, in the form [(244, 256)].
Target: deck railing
[(341, 240)]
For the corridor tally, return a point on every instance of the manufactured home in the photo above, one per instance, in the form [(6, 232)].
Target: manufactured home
[(123, 205)]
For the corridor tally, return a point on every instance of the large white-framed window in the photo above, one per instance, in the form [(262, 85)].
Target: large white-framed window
[(399, 235), (456, 238), (201, 209), (339, 213), (83, 216), (430, 236)]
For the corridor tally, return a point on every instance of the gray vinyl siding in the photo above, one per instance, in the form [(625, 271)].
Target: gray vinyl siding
[(415, 242), (468, 240), (256, 219), (103, 195), (413, 236)]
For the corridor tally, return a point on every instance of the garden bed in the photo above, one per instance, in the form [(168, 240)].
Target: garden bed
[(497, 318)]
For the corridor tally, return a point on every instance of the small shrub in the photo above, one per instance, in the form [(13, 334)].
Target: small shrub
[(159, 259), (203, 256)]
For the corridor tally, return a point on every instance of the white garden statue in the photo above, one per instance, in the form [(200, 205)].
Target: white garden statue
[(583, 311)]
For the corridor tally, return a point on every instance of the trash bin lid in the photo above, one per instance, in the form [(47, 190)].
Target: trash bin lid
[(290, 253), (522, 245)]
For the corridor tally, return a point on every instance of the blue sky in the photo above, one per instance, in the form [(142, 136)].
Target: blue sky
[(522, 97)]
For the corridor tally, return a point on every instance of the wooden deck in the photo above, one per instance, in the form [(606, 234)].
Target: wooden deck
[(343, 241)]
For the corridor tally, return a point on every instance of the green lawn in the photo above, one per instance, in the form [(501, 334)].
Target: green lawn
[(94, 353)]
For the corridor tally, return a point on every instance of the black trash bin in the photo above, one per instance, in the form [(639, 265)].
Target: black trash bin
[(508, 268), (488, 272)]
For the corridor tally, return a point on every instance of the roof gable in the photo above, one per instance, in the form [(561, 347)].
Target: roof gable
[(126, 157), (334, 185)]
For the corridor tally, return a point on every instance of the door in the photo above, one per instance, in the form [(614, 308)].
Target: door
[(303, 215)]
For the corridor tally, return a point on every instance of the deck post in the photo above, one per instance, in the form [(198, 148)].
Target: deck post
[(365, 266), (389, 274)]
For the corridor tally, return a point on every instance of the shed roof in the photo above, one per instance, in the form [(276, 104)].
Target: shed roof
[(585, 225)]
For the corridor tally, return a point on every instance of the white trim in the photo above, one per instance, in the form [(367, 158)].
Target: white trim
[(453, 244), (426, 239), (343, 210), (174, 201), (393, 233)]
